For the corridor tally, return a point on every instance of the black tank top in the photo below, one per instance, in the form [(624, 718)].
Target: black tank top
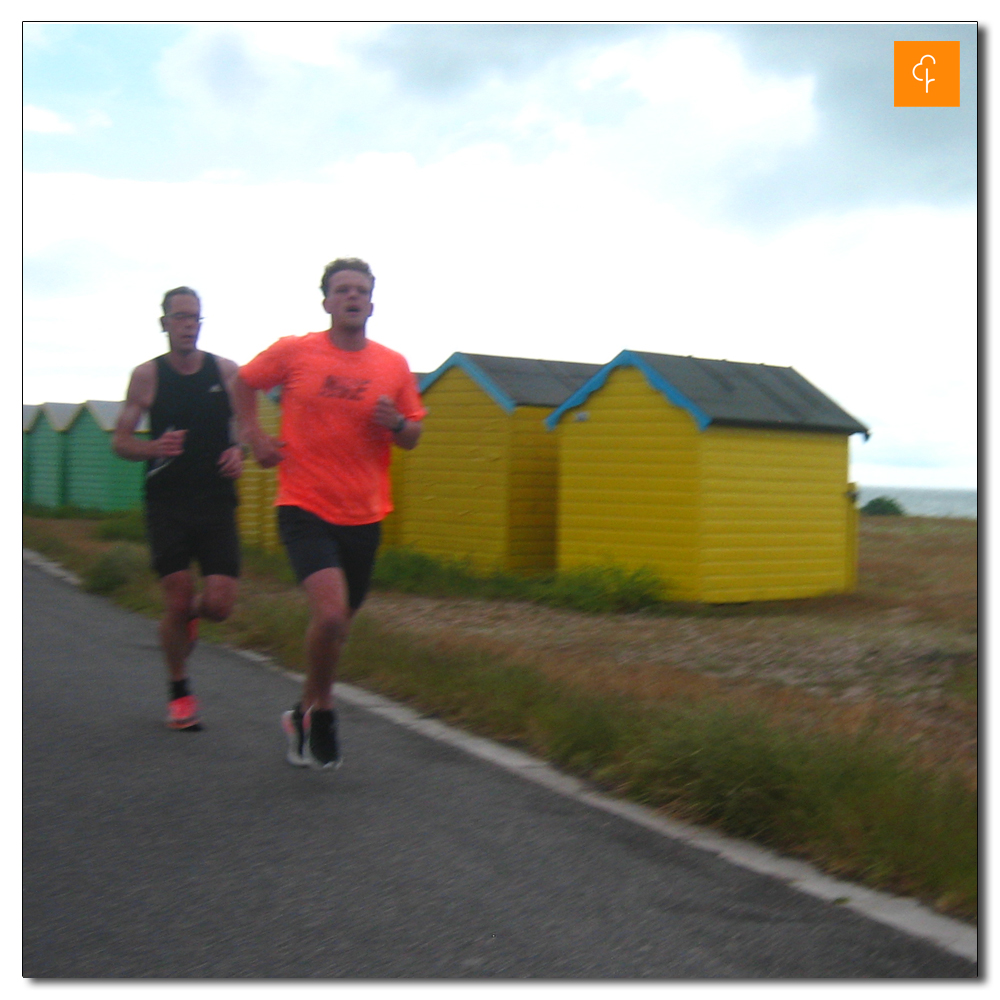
[(199, 404)]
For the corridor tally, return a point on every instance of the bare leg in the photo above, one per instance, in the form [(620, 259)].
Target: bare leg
[(329, 625), (182, 604), (217, 598), (178, 596)]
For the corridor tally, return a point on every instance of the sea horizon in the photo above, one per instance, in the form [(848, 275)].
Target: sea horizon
[(920, 501)]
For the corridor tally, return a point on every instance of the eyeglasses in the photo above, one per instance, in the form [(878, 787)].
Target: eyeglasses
[(183, 317)]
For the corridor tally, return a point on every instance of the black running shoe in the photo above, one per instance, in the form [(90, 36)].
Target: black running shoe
[(291, 722), (320, 748)]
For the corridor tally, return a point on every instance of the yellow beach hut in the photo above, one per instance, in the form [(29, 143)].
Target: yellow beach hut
[(729, 479), (257, 487), (481, 485)]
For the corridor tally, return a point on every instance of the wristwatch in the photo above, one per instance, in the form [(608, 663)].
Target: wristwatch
[(399, 426)]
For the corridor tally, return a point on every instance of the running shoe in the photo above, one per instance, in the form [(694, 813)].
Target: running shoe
[(320, 747), (182, 713), (291, 723)]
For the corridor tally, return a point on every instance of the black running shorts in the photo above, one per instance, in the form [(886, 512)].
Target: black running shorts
[(314, 544), (178, 534)]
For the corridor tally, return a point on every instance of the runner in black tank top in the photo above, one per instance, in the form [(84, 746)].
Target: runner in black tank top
[(198, 404), (191, 468)]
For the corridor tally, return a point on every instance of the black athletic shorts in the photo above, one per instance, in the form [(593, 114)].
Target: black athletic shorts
[(178, 534), (314, 544)]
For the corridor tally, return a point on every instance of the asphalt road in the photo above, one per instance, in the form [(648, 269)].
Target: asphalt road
[(149, 853)]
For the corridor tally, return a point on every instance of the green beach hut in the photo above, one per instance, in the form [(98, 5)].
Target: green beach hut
[(47, 453), (29, 413), (96, 478)]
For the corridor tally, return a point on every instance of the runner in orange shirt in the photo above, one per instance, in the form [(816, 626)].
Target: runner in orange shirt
[(345, 400)]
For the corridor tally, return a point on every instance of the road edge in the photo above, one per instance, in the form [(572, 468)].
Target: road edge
[(902, 913)]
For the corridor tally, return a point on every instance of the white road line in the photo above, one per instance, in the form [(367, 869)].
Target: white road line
[(904, 914)]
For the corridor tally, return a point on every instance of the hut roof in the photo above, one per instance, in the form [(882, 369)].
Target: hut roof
[(28, 413), (60, 415), (105, 413), (513, 382), (728, 393)]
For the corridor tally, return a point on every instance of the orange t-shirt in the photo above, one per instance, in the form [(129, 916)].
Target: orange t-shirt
[(336, 462)]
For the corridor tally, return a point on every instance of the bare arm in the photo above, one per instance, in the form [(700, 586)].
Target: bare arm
[(231, 460), (405, 433), (138, 400), (266, 449)]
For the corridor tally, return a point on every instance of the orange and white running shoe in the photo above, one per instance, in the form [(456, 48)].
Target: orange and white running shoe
[(182, 713)]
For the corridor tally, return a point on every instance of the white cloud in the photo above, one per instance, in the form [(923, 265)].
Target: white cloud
[(564, 206), (98, 119), (43, 120), (482, 254)]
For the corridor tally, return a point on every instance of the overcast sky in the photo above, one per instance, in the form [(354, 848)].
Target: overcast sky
[(542, 190)]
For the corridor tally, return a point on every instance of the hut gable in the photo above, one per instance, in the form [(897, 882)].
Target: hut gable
[(60, 415), (513, 382), (728, 479), (96, 478), (29, 414), (47, 453), (106, 411), (728, 393), (482, 484)]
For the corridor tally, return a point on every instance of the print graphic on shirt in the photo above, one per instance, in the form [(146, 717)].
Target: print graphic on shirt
[(344, 387), (159, 464)]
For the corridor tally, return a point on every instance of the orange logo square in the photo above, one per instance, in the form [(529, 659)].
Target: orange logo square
[(926, 74)]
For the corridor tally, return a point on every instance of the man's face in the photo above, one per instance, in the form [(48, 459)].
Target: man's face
[(182, 323), (349, 299)]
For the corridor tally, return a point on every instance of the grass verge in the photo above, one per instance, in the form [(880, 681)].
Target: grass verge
[(861, 805), (592, 588)]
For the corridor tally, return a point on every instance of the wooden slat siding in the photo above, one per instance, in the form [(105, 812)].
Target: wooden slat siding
[(774, 517), (392, 522), (456, 478), (26, 449), (257, 488), (628, 483), (534, 471), (48, 480), (96, 478)]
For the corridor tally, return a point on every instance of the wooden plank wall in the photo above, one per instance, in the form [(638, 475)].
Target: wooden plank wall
[(774, 514), (628, 483), (456, 480), (96, 478)]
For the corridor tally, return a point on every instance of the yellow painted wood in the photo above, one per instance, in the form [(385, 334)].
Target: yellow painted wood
[(533, 487), (257, 488), (456, 492), (628, 483), (721, 515), (774, 519), (481, 485)]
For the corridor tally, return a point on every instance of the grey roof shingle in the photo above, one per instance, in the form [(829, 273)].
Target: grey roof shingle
[(728, 393), (739, 393), (520, 381), (534, 381)]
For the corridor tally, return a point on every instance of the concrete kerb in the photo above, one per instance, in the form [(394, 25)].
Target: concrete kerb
[(907, 915)]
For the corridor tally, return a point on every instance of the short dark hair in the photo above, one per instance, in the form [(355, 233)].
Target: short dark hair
[(344, 264), (180, 290)]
